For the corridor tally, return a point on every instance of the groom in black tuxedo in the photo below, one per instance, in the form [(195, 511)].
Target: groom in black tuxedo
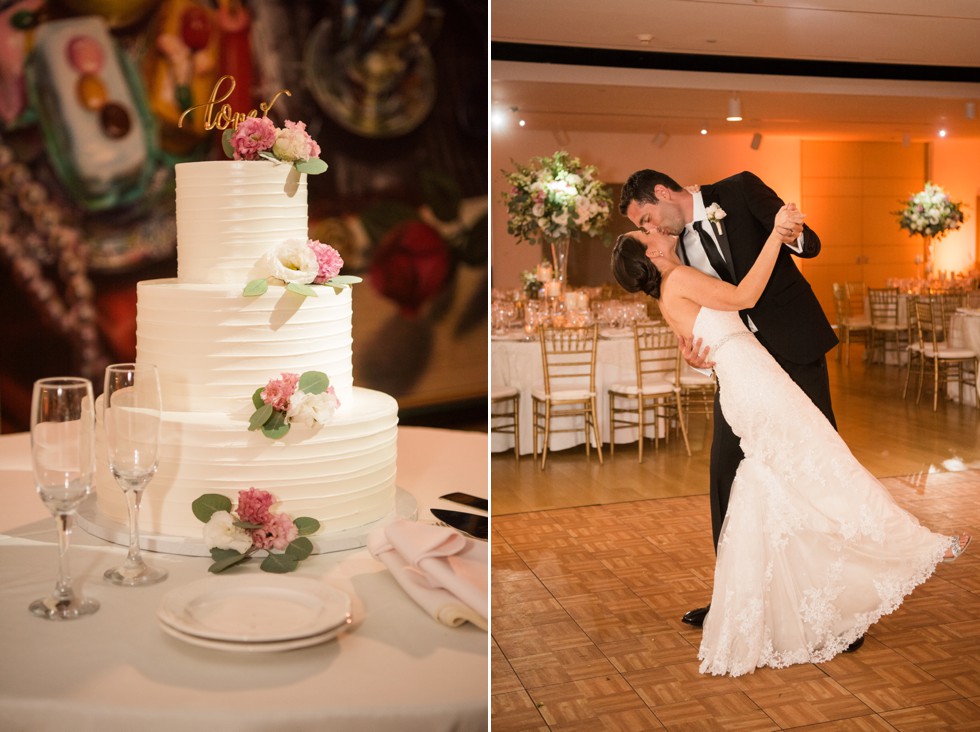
[(722, 228)]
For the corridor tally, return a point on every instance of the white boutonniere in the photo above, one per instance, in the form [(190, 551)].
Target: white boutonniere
[(715, 214)]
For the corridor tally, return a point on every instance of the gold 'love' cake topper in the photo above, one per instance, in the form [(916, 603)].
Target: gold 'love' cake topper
[(227, 117), (250, 137)]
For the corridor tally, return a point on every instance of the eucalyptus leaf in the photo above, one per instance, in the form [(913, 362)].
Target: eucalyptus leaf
[(257, 398), (220, 554), (344, 280), (277, 426), (261, 415), (313, 382), (306, 525), (228, 561), (246, 524), (313, 166), (210, 503), (279, 563), (226, 142), (301, 289), (300, 548), (266, 155), (256, 287)]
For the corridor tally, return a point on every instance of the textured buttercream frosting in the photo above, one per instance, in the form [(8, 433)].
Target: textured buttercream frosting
[(213, 347)]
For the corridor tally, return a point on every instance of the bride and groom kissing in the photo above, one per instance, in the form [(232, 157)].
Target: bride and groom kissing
[(811, 549)]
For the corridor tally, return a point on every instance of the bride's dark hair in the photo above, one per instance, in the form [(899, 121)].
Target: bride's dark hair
[(632, 269)]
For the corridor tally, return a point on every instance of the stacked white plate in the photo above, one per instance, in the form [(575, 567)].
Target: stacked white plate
[(255, 613)]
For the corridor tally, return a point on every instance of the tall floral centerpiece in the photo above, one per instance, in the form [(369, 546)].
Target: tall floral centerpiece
[(553, 200), (931, 214)]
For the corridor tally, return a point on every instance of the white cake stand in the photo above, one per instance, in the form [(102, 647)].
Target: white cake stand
[(98, 524)]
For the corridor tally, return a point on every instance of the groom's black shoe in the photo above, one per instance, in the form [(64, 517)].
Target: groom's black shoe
[(696, 617), (855, 645)]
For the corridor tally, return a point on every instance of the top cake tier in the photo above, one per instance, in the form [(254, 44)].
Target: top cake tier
[(230, 213)]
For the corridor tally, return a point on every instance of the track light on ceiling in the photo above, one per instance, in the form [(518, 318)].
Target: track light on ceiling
[(734, 109)]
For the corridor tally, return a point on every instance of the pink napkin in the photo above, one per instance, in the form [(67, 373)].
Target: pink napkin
[(445, 572)]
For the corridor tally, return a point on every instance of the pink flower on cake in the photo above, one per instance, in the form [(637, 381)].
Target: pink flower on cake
[(328, 261), (234, 536), (279, 391), (308, 399), (253, 136), (293, 143), (276, 533), (253, 505)]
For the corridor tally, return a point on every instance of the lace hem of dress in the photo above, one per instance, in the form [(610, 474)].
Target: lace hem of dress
[(719, 664)]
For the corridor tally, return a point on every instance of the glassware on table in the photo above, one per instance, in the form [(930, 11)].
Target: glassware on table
[(63, 461), (131, 418)]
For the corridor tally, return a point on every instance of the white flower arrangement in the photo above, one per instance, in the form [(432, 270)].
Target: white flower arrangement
[(930, 212), (715, 214), (556, 198)]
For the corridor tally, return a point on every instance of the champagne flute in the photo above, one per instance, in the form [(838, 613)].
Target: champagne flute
[(131, 417), (63, 460)]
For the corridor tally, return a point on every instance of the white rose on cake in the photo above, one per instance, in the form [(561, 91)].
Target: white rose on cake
[(292, 261), (220, 532), (311, 409)]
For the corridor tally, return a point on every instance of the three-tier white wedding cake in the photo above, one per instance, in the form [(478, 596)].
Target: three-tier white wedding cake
[(214, 347)]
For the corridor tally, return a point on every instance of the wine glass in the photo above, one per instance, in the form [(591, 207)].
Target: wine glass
[(131, 417), (63, 460)]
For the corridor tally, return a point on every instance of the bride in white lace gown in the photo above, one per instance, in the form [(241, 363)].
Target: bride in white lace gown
[(813, 549)]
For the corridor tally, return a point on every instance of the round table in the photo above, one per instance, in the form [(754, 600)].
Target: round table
[(117, 670)]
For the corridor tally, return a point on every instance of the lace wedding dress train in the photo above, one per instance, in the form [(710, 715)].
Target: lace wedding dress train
[(813, 549)]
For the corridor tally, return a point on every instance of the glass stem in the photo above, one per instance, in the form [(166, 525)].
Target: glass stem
[(134, 558), (63, 590)]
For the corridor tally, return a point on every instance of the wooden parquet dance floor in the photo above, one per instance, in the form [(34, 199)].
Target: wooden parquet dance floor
[(586, 631)]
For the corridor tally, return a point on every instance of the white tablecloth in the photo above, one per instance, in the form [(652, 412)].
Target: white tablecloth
[(964, 331), (518, 364), (118, 671)]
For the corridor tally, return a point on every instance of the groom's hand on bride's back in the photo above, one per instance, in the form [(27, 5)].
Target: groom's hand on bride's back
[(696, 355)]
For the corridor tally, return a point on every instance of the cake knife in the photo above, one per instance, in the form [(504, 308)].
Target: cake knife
[(468, 523)]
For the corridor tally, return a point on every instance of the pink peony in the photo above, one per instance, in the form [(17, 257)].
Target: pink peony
[(328, 259), (276, 533), (278, 391), (253, 505), (294, 143), (254, 135)]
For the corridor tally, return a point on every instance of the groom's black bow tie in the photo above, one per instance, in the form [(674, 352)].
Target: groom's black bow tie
[(714, 256)]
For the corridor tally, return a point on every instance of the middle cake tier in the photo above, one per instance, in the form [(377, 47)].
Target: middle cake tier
[(213, 347)]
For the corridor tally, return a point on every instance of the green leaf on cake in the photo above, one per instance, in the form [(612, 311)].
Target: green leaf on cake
[(300, 548), (276, 427), (256, 287), (300, 289), (279, 563), (257, 398), (266, 155), (313, 382), (248, 525), (226, 142), (341, 281), (306, 525), (210, 503), (261, 415), (313, 166)]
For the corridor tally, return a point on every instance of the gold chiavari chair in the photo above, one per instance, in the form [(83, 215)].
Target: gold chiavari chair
[(568, 358), (885, 328), (697, 391), (914, 358), (851, 324), (943, 360), (505, 414), (654, 392)]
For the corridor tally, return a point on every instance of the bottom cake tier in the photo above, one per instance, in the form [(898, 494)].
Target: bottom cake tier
[(341, 473)]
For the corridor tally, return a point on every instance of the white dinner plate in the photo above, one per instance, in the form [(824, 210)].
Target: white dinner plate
[(263, 647), (255, 608)]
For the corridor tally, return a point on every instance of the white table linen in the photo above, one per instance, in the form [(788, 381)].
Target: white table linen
[(518, 364), (399, 669), (964, 332)]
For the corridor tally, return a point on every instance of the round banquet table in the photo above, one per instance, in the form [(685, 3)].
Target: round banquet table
[(117, 670)]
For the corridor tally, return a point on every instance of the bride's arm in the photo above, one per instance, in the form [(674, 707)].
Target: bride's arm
[(718, 295)]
